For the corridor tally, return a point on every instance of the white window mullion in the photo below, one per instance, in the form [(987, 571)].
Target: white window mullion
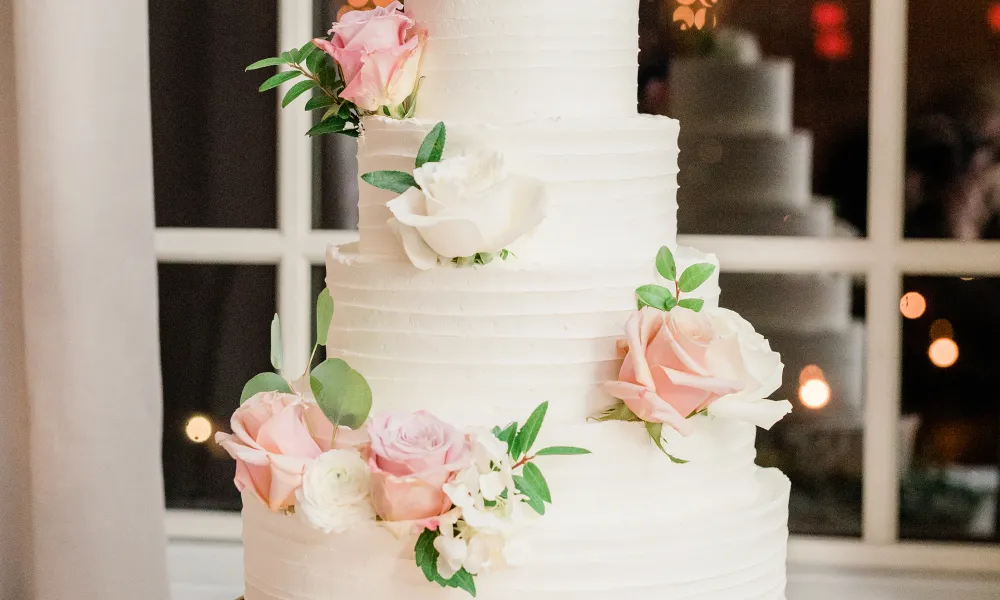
[(294, 198), (885, 208)]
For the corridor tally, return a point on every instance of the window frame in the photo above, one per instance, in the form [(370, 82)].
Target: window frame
[(882, 258)]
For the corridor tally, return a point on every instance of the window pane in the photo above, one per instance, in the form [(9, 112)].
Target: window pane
[(214, 136), (772, 142), (951, 358), (817, 323), (953, 142), (214, 335)]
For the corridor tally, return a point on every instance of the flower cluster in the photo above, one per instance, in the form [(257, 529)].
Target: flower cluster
[(370, 65), (686, 360)]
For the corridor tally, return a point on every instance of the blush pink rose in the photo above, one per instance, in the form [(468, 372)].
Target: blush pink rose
[(275, 436), (676, 366), (379, 54), (412, 458)]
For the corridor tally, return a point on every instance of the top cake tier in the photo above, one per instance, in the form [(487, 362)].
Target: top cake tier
[(512, 60)]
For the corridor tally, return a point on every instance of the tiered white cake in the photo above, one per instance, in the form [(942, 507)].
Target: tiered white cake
[(746, 171), (552, 85)]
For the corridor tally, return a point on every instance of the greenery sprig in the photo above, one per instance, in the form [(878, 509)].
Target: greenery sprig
[(665, 299), (322, 74)]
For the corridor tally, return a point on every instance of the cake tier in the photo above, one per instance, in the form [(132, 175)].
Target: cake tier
[(523, 59), (746, 171), (790, 302), (612, 183), (716, 96), (595, 543), (816, 220)]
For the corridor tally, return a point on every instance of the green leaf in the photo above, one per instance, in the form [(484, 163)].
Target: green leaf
[(564, 450), (291, 56), (305, 51), (320, 101), (267, 62), (426, 556), (315, 63), (534, 476), (665, 264), (529, 433), (656, 433), (432, 149), (278, 79), (394, 181), (265, 382), (277, 353), (324, 316), (463, 580), (695, 304), (482, 258), (618, 412), (507, 435), (656, 296), (694, 276), (334, 125), (297, 90), (342, 393), (533, 497)]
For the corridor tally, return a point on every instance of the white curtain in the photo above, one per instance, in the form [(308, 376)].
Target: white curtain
[(80, 481)]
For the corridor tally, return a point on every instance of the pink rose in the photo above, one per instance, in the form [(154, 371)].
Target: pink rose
[(412, 458), (275, 436), (677, 365), (379, 54)]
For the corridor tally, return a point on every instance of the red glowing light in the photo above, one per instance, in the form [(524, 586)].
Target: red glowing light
[(829, 15), (993, 17), (833, 46)]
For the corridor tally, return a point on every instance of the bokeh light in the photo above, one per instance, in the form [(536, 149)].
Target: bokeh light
[(828, 15), (993, 17), (942, 328), (943, 352), (199, 429), (815, 394), (913, 305)]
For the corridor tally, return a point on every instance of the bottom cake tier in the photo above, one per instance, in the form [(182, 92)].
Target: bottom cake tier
[(713, 552)]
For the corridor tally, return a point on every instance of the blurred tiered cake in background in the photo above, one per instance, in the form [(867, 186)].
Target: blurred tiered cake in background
[(745, 170)]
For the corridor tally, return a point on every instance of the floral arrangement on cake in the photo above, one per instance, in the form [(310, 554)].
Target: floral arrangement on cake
[(686, 361), (370, 65), (309, 448), (464, 210)]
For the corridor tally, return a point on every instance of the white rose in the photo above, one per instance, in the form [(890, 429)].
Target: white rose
[(465, 205), (744, 355), (335, 492)]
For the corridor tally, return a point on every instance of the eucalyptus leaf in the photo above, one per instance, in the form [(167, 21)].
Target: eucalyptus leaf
[(656, 433), (265, 382), (324, 316), (432, 149), (533, 496), (694, 276), (529, 433), (394, 181), (695, 304), (277, 352), (534, 476), (342, 393), (319, 101), (666, 265), (618, 412), (267, 62), (656, 296), (297, 90), (278, 79), (564, 450)]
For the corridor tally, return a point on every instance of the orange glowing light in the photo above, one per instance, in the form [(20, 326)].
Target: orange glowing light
[(833, 45), (993, 17), (815, 394), (913, 305), (943, 352), (942, 328), (198, 429), (828, 15)]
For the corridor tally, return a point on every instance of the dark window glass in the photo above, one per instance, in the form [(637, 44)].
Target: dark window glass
[(214, 334)]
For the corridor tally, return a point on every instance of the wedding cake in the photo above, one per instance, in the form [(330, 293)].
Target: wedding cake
[(517, 257), (746, 171)]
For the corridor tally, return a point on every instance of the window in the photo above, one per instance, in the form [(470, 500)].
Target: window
[(893, 450)]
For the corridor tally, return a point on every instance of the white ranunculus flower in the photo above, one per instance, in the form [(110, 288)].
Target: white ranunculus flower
[(744, 355), (335, 492), (465, 205)]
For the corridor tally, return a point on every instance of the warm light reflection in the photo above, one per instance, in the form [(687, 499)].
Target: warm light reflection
[(913, 305), (198, 429), (943, 352), (815, 394), (993, 17), (942, 328)]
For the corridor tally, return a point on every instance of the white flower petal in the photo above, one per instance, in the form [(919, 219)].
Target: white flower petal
[(491, 486), (452, 555), (480, 555), (420, 254), (762, 413)]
